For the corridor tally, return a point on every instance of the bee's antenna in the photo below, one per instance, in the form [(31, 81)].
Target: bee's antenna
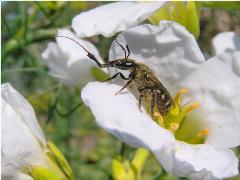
[(75, 42), (125, 52), (128, 50), (90, 55)]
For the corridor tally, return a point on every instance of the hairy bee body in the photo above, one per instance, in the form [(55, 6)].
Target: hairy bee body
[(151, 88), (148, 85)]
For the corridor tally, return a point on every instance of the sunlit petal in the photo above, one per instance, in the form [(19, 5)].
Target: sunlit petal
[(113, 17), (119, 115)]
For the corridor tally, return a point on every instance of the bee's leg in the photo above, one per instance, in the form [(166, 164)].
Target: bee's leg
[(115, 75), (130, 78), (142, 92), (161, 106), (126, 85), (128, 51), (153, 102)]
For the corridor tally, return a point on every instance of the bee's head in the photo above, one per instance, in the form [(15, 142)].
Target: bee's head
[(122, 64)]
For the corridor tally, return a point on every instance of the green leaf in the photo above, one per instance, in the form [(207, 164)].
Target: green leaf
[(99, 74), (192, 20), (43, 173), (179, 13), (56, 155), (222, 4), (184, 13), (160, 15)]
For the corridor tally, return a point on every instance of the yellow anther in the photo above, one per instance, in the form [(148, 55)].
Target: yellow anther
[(178, 95), (192, 107), (183, 91), (173, 126), (203, 133)]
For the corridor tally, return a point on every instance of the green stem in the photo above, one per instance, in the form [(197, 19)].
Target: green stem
[(69, 112), (29, 69), (39, 35)]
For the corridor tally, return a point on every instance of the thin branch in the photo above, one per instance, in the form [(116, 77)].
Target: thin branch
[(39, 35), (69, 112)]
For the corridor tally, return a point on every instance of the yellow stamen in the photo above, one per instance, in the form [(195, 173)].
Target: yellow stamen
[(203, 133), (175, 121), (192, 107), (178, 96), (159, 118), (173, 126), (157, 114), (174, 110)]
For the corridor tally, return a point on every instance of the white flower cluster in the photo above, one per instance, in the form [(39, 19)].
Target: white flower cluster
[(174, 56)]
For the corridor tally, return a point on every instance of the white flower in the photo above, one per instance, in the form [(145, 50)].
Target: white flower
[(113, 17), (25, 152), (22, 138), (225, 41), (174, 56), (68, 62)]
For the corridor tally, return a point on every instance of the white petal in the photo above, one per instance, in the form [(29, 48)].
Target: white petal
[(10, 173), (23, 109), (113, 17), (216, 85), (200, 162), (119, 115), (226, 41), (175, 63), (20, 148), (168, 49), (68, 62)]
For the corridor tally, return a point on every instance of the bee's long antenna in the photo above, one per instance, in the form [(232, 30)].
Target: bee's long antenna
[(125, 52), (90, 55), (75, 42)]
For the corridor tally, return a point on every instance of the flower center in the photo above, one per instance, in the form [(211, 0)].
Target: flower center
[(177, 122)]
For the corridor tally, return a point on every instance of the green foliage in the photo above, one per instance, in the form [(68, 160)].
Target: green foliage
[(42, 173), (128, 170), (99, 74), (185, 13), (221, 4), (60, 160)]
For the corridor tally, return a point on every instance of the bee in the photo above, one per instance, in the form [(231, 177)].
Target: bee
[(148, 85)]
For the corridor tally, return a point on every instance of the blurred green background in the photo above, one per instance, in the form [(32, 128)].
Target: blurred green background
[(26, 29)]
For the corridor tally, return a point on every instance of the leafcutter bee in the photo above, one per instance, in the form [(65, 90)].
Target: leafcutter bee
[(142, 76)]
